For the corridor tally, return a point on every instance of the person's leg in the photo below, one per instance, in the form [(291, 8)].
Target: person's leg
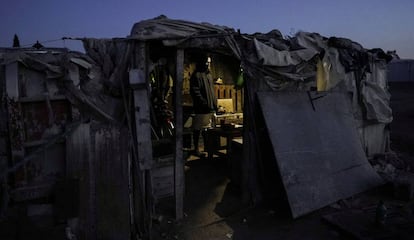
[(196, 137), (204, 135)]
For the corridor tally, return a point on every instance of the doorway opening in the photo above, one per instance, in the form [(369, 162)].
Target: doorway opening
[(213, 174)]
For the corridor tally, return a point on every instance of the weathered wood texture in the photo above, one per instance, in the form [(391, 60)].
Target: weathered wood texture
[(97, 157), (142, 161), (138, 82), (78, 166), (179, 160), (112, 183), (163, 178)]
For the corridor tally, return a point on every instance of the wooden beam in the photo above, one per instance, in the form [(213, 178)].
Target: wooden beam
[(179, 178), (138, 82), (143, 162)]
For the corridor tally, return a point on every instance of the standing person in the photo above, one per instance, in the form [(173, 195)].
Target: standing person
[(204, 100)]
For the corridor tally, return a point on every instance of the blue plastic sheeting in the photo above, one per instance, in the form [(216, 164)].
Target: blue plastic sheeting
[(317, 148)]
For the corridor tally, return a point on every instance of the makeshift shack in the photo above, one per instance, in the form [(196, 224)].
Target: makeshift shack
[(106, 128)]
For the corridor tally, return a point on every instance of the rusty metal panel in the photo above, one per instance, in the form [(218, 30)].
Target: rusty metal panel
[(16, 136), (31, 124), (317, 148), (16, 127), (39, 118)]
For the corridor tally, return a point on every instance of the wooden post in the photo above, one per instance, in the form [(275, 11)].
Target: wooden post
[(179, 161), (143, 203), (138, 82)]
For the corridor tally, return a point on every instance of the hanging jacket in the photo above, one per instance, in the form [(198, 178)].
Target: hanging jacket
[(202, 93)]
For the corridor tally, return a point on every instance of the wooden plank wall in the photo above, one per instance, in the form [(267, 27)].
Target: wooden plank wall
[(228, 91), (112, 183), (78, 166), (97, 157)]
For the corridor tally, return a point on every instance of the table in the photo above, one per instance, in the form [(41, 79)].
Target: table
[(213, 144), (229, 118)]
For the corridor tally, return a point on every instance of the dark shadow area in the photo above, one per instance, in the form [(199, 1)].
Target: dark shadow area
[(402, 127), (214, 210), (206, 182)]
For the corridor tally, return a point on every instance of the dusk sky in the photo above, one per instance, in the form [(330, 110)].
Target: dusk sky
[(373, 23)]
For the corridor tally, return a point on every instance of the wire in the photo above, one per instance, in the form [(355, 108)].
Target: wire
[(47, 41)]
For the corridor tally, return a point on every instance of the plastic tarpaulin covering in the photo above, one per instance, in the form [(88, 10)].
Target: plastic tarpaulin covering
[(286, 63), (317, 148), (164, 28), (173, 32), (273, 57), (376, 101)]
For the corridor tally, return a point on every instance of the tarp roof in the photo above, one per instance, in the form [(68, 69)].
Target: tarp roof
[(287, 62), (164, 28)]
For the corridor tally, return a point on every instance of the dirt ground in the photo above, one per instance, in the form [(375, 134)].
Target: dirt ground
[(214, 210)]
